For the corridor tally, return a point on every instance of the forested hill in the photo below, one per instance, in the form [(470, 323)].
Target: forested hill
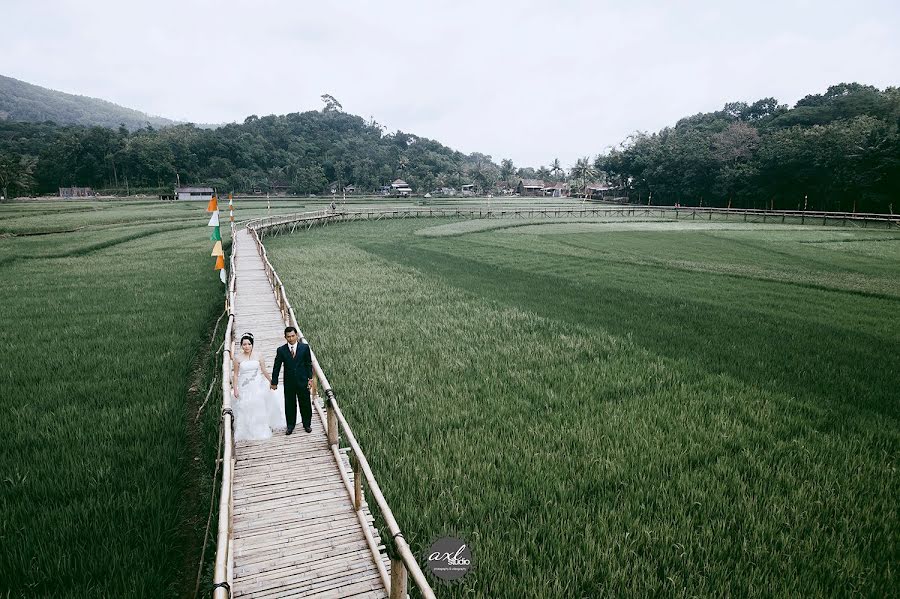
[(20, 101), (298, 153), (834, 151)]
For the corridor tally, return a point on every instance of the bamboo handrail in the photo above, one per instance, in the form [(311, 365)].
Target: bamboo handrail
[(262, 224), (403, 549), (224, 572)]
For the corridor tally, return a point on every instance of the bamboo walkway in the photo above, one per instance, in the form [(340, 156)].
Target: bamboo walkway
[(295, 530)]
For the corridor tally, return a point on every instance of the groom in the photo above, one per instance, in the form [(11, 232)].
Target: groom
[(298, 373)]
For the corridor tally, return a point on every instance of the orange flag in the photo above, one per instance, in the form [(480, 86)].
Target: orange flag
[(220, 262), (213, 205)]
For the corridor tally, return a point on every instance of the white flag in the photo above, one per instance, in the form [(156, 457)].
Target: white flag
[(222, 275), (213, 220)]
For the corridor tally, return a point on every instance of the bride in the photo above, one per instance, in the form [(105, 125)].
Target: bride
[(257, 409)]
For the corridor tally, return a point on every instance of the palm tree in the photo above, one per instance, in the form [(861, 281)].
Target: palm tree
[(583, 170), (555, 168)]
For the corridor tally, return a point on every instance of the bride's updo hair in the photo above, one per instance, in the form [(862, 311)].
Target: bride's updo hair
[(247, 336)]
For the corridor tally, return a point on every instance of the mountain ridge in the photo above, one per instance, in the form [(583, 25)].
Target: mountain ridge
[(25, 102)]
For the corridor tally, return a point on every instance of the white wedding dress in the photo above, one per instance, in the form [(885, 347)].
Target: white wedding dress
[(257, 409)]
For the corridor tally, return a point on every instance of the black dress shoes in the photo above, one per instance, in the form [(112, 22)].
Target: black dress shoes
[(307, 429), (289, 430)]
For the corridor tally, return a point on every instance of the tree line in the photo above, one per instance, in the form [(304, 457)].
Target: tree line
[(836, 151), (301, 153)]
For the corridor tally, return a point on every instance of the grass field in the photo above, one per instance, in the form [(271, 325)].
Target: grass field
[(621, 409), (105, 326), (107, 312)]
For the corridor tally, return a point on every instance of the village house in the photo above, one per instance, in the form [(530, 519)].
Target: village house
[(76, 192), (400, 188), (468, 189), (279, 187), (530, 187), (598, 191), (556, 190), (194, 193)]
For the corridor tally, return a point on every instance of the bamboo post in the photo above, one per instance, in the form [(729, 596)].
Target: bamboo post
[(332, 423), (398, 579), (357, 482)]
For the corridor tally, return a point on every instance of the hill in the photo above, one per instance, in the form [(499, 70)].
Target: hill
[(21, 101)]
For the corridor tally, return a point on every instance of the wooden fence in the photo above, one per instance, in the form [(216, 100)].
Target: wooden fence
[(306, 220)]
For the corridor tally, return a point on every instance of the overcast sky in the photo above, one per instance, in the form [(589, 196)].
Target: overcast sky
[(524, 80)]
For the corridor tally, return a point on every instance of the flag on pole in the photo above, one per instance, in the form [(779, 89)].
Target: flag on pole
[(216, 234), (217, 249), (220, 263), (213, 205), (213, 220), (222, 275)]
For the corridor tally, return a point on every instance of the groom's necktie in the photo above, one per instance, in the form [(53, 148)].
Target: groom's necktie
[(293, 354)]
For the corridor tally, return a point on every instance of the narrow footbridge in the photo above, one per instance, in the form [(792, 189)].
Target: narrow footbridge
[(293, 517)]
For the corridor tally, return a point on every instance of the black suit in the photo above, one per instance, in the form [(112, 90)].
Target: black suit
[(297, 372)]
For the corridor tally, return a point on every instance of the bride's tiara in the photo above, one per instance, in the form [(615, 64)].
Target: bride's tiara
[(248, 334)]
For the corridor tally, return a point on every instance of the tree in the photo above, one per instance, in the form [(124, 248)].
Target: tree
[(16, 173), (507, 170), (583, 170), (331, 104), (556, 169), (734, 149)]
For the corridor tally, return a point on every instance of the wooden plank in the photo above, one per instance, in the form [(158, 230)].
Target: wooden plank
[(269, 495), (306, 581), (349, 582), (264, 529), (344, 591), (302, 547), (319, 552), (309, 476), (286, 487), (254, 523), (336, 499), (275, 579), (307, 469), (277, 540), (285, 445)]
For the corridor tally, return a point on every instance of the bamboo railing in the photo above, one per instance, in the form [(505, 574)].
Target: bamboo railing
[(403, 561), (291, 222), (223, 575)]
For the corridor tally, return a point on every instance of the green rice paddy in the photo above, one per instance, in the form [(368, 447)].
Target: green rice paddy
[(623, 408), (108, 309)]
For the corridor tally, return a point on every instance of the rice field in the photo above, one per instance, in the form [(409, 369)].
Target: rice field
[(607, 409), (108, 310)]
